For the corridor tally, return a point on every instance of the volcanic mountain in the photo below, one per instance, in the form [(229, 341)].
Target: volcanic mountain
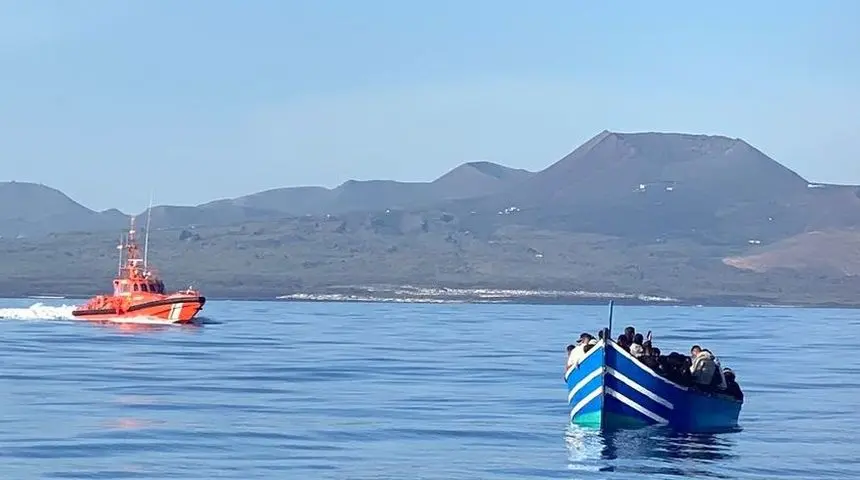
[(689, 216), (652, 185)]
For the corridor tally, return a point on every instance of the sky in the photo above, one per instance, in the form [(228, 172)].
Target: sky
[(109, 100)]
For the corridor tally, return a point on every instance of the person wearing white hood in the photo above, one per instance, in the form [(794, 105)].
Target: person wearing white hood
[(703, 367)]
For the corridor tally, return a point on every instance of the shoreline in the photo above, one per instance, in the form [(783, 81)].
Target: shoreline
[(422, 295)]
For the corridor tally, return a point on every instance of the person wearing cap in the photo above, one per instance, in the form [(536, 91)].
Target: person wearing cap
[(590, 342), (575, 355)]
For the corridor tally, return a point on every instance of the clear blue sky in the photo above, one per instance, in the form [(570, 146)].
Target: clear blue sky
[(206, 99)]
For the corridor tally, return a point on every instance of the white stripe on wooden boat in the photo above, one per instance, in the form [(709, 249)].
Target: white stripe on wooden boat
[(645, 368), (639, 388), (587, 354), (597, 371), (635, 406), (582, 403)]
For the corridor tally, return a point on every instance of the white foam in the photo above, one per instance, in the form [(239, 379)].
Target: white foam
[(38, 311)]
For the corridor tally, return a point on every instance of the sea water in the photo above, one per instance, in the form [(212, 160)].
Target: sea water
[(365, 391)]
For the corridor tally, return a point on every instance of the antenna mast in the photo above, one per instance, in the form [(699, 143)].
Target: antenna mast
[(146, 238), (120, 247)]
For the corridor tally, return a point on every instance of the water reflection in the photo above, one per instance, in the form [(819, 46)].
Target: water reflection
[(144, 325), (654, 451)]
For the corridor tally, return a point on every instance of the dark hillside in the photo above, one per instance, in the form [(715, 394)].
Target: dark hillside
[(469, 180), (208, 214), (370, 195), (289, 200), (703, 218), (30, 209)]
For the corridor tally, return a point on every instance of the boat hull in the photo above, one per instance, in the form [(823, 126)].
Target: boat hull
[(172, 309), (611, 389)]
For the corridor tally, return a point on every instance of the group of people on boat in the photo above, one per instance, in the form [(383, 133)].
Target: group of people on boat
[(701, 369)]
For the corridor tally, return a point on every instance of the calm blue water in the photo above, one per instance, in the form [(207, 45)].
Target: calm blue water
[(361, 391)]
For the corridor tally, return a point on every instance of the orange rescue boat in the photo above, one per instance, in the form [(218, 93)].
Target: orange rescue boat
[(139, 292)]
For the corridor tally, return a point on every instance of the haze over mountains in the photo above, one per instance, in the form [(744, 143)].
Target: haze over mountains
[(689, 216)]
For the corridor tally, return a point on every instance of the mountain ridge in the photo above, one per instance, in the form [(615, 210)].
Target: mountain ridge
[(665, 214), (299, 200), (318, 195)]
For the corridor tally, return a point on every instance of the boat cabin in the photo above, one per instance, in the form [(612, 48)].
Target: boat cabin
[(126, 286)]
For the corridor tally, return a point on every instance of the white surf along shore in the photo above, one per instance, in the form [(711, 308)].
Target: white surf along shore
[(410, 294)]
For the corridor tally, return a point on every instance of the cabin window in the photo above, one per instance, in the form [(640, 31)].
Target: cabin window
[(136, 288), (143, 287)]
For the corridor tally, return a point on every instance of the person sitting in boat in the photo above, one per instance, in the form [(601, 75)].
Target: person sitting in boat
[(575, 354), (732, 387), (636, 347), (623, 342), (676, 367), (629, 332), (590, 342), (703, 366), (717, 381), (650, 356), (570, 349), (649, 340), (648, 347), (657, 354)]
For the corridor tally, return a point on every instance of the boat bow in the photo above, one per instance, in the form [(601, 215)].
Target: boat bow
[(609, 388)]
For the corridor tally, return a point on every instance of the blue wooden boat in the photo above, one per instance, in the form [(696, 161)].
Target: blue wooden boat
[(612, 389)]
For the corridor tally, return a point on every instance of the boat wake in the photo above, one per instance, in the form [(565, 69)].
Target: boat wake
[(38, 311)]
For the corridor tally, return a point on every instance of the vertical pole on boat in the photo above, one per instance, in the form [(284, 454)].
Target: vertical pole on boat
[(607, 344), (609, 332), (120, 247), (146, 238)]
